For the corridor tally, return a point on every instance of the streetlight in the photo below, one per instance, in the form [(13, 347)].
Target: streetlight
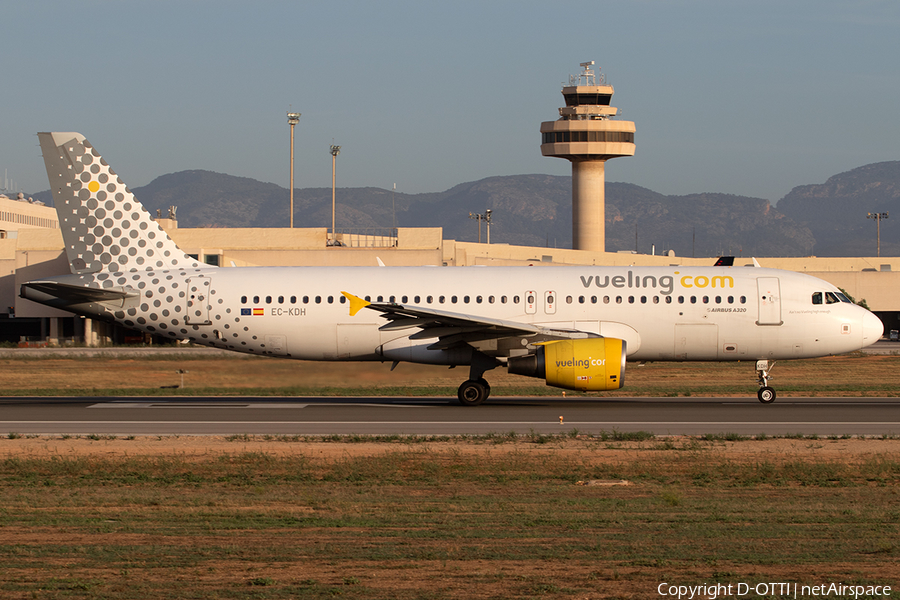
[(486, 217), (335, 150), (293, 119), (878, 217)]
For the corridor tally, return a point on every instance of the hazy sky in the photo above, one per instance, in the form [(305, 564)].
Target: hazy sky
[(750, 98)]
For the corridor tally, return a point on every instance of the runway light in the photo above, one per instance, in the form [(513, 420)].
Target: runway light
[(560, 420)]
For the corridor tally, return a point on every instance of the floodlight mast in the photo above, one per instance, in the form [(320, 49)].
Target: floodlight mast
[(878, 217), (293, 119), (335, 150)]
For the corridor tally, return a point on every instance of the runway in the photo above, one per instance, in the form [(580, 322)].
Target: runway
[(443, 416)]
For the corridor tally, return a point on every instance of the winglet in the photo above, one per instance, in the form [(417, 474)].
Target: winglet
[(356, 303)]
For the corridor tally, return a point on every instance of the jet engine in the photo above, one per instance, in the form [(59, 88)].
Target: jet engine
[(587, 365)]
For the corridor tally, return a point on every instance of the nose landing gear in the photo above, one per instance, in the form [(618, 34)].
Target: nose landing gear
[(765, 394)]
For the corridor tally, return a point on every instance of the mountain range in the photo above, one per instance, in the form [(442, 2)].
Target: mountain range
[(826, 219)]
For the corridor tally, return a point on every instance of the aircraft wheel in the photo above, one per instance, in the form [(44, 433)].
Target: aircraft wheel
[(487, 387), (472, 393), (766, 395)]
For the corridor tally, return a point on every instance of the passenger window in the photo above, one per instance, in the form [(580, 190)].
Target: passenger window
[(429, 299), (502, 299), (630, 299), (478, 299), (466, 299), (453, 299), (255, 299), (330, 299), (280, 299), (305, 299), (668, 299), (655, 299), (705, 299), (294, 299), (380, 298), (318, 299), (743, 299), (693, 299), (593, 299), (417, 299), (730, 299), (680, 299), (368, 299), (530, 299), (392, 299), (643, 299), (343, 300), (441, 299), (580, 299), (404, 299), (618, 299), (243, 299), (268, 299), (718, 299), (490, 299), (515, 300), (569, 299)]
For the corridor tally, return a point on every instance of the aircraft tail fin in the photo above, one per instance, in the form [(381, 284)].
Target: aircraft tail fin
[(103, 226)]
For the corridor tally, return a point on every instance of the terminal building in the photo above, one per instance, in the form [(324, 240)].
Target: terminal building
[(31, 244)]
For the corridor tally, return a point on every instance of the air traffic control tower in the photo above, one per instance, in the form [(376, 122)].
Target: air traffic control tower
[(587, 135)]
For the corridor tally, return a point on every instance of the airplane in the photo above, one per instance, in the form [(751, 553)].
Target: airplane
[(572, 326)]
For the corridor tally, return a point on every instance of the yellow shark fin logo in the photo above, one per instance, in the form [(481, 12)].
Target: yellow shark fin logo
[(356, 303)]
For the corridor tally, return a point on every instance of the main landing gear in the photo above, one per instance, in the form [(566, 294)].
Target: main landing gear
[(473, 392), (765, 394), (476, 389)]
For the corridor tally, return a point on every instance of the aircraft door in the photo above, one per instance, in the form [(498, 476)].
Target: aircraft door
[(769, 296), (197, 312), (550, 302), (530, 302)]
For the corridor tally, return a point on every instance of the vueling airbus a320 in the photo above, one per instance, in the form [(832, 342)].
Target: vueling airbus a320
[(572, 326)]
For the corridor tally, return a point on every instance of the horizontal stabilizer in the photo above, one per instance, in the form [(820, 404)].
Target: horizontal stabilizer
[(61, 294)]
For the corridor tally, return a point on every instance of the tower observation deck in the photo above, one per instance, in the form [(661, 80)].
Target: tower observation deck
[(587, 135)]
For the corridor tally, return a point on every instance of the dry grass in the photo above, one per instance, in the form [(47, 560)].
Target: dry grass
[(842, 375), (249, 518)]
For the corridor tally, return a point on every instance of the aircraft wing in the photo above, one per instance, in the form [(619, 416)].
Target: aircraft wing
[(454, 328)]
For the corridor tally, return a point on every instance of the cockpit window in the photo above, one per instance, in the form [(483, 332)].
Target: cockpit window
[(817, 298), (843, 298), (831, 298)]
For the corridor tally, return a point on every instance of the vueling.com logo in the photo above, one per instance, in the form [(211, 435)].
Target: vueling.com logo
[(665, 284)]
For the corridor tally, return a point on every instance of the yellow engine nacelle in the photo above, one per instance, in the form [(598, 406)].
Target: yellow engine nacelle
[(588, 365)]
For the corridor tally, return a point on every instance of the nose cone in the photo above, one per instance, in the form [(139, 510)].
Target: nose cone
[(872, 329)]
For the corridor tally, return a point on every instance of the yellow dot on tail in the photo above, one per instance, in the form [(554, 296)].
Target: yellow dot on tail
[(93, 186)]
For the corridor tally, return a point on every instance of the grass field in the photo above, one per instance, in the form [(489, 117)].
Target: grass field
[(248, 375), (406, 518), (487, 518)]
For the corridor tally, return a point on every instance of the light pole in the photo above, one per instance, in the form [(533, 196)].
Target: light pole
[(878, 217), (293, 119), (486, 217), (335, 150), (394, 212)]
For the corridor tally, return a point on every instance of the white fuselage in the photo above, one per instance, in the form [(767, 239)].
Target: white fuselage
[(663, 313)]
